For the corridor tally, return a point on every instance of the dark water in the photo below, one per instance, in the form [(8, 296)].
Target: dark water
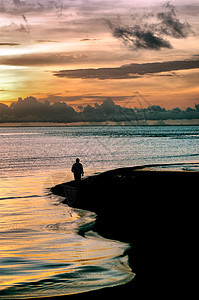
[(41, 250)]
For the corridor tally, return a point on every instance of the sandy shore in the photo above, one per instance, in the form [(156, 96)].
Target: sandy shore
[(148, 201)]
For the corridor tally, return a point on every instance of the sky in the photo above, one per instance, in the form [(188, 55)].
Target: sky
[(137, 53)]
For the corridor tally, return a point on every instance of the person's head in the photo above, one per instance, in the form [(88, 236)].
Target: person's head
[(77, 160)]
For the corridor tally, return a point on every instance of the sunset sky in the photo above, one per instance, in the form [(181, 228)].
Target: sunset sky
[(136, 52)]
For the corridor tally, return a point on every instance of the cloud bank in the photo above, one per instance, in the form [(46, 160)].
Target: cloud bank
[(31, 110)]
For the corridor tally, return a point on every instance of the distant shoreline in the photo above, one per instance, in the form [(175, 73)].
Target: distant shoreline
[(169, 122)]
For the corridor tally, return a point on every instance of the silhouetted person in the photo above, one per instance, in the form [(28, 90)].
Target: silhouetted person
[(77, 170)]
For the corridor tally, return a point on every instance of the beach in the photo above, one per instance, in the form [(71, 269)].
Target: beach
[(149, 201)]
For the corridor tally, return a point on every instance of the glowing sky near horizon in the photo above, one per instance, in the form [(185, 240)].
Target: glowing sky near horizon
[(45, 45)]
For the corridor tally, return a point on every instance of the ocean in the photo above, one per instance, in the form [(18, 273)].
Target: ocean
[(42, 252)]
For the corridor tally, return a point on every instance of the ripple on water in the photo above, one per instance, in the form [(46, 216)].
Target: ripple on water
[(44, 253)]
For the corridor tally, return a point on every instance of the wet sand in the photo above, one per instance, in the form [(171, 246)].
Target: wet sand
[(144, 201)]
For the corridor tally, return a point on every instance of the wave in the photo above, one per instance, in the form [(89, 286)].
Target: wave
[(18, 133), (179, 155), (83, 279), (73, 259), (21, 197)]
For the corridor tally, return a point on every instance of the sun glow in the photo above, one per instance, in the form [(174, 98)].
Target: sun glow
[(39, 40)]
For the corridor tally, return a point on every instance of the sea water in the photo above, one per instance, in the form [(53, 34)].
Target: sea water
[(41, 250), (33, 149)]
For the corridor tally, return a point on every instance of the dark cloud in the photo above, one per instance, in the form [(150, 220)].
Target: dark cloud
[(9, 44), (138, 38), (12, 27), (45, 41), (60, 58), (149, 34), (171, 26), (88, 40), (42, 59), (129, 71), (24, 18), (18, 2), (22, 28), (84, 99), (31, 110), (30, 6)]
